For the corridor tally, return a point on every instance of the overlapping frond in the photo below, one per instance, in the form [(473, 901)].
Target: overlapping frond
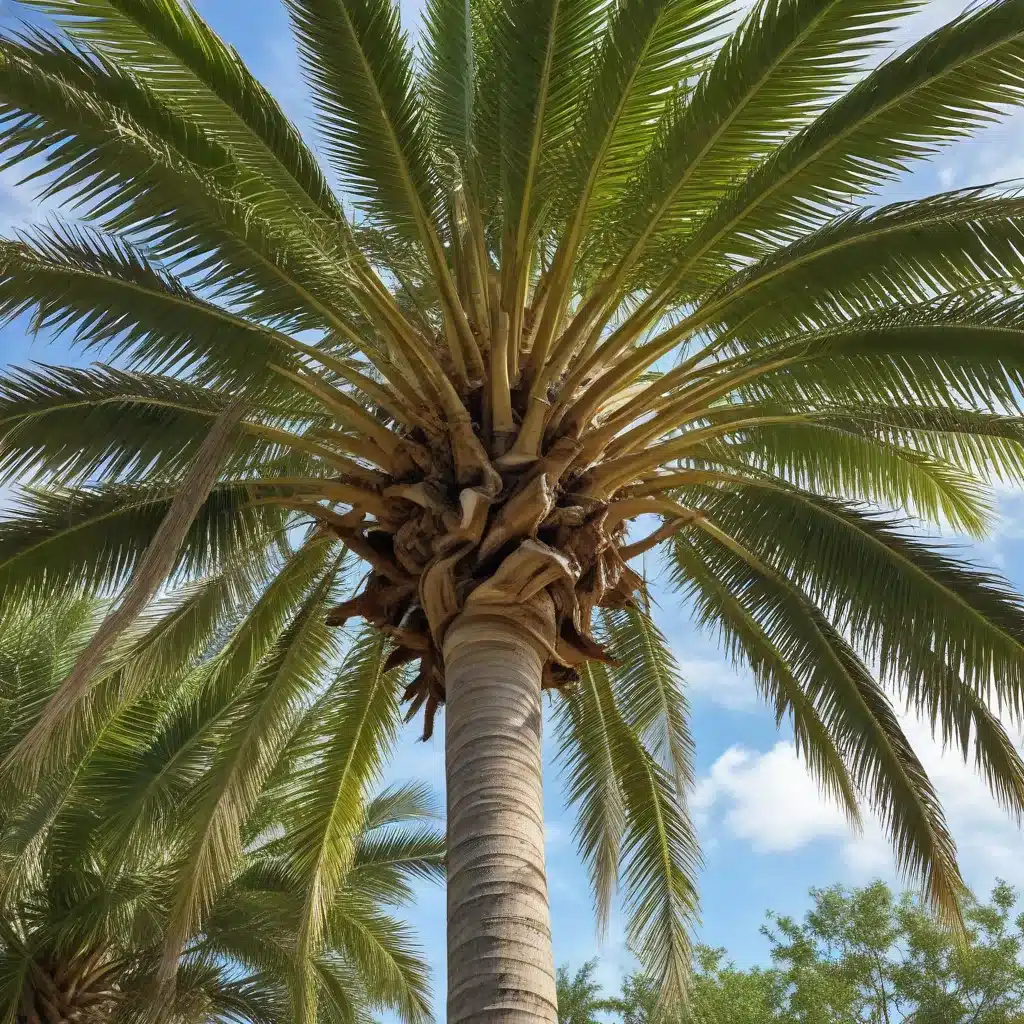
[(720, 609), (341, 760), (261, 724), (607, 268), (107, 296), (917, 592), (593, 789), (775, 73), (859, 716), (650, 692), (659, 852), (82, 905), (90, 538), (358, 63), (449, 79), (648, 49), (178, 54), (540, 53), (942, 88), (105, 142)]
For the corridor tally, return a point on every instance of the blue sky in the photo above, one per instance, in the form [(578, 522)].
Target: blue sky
[(766, 833)]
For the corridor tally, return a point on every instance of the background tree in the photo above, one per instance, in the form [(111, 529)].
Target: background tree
[(861, 956), (88, 862), (605, 263), (579, 995), (720, 994), (866, 956)]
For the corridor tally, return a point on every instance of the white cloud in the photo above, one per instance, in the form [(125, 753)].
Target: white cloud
[(767, 799), (718, 681)]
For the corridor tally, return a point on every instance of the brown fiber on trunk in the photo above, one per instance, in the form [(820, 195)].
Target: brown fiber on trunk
[(500, 962)]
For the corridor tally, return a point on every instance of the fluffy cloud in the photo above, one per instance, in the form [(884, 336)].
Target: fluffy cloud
[(768, 800), (714, 679)]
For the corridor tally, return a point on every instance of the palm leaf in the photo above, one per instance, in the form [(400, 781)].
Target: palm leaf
[(70, 426), (541, 50), (362, 82), (175, 51), (775, 72), (587, 760), (360, 721), (111, 144), (649, 692), (92, 538), (107, 296), (659, 853), (390, 964), (718, 607), (919, 596), (942, 88), (856, 710), (262, 726), (449, 79)]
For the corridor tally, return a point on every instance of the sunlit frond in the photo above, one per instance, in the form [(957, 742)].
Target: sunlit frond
[(616, 280)]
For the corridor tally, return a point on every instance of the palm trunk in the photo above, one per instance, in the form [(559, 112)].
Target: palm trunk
[(500, 961)]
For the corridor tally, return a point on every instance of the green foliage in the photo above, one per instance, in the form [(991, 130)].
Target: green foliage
[(861, 956), (868, 955), (618, 259), (579, 999), (183, 786)]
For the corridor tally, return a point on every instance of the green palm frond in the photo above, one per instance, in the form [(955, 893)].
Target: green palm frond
[(401, 803), (774, 74), (940, 89), (358, 64), (390, 965), (360, 720), (587, 758), (659, 851), (540, 51), (387, 863), (261, 725), (918, 595), (609, 267), (90, 538), (964, 721), (857, 712), (450, 78), (748, 641), (649, 692), (74, 885), (106, 294), (132, 161), (171, 48), (947, 242), (337, 990), (648, 48), (827, 459), (72, 426)]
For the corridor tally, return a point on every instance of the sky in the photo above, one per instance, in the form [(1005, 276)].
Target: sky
[(767, 835)]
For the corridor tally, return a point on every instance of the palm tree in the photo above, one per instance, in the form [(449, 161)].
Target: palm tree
[(604, 263), (89, 861)]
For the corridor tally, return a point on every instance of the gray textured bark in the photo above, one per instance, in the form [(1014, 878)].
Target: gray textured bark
[(500, 961)]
